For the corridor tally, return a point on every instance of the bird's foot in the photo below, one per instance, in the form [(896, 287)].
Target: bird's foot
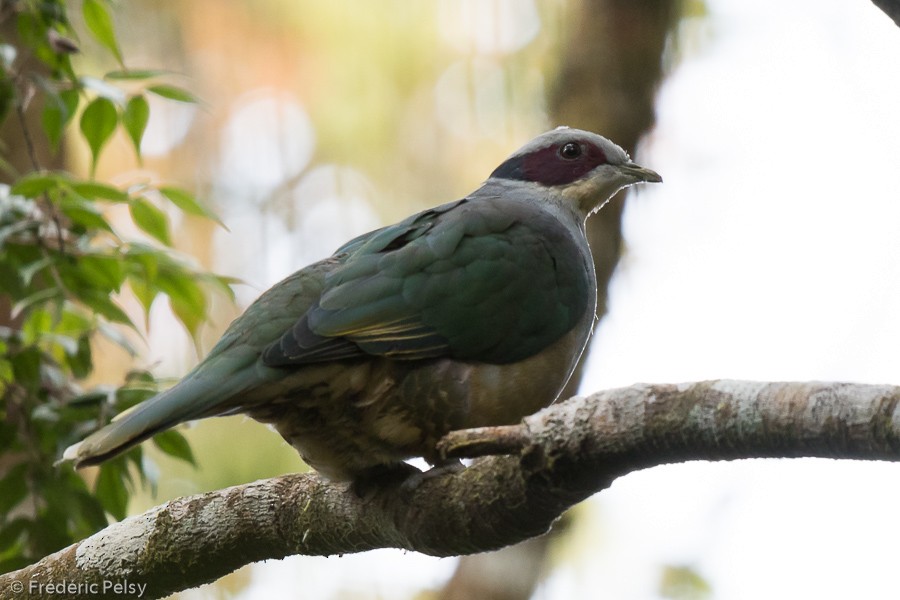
[(402, 475), (419, 477), (381, 476), (483, 441)]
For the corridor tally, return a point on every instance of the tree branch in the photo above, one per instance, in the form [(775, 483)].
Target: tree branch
[(563, 455), (891, 8)]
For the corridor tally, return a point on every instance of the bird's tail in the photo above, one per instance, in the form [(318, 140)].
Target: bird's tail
[(192, 398)]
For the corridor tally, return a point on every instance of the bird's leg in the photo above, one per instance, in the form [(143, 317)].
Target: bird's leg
[(445, 467), (366, 483), (401, 474)]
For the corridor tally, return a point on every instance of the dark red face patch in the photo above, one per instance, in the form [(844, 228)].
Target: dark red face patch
[(550, 165)]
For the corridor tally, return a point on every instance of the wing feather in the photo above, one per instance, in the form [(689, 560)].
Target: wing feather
[(485, 280)]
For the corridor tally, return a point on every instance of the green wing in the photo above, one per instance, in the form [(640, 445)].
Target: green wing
[(492, 281)]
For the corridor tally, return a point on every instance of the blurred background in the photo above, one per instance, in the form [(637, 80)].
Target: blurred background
[(770, 252)]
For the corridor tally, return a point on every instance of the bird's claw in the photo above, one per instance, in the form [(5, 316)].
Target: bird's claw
[(412, 482)]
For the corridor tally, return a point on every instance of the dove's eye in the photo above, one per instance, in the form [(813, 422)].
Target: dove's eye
[(570, 151)]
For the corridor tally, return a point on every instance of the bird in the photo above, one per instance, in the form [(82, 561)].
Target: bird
[(470, 314)]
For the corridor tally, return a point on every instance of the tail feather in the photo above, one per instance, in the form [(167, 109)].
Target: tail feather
[(192, 398)]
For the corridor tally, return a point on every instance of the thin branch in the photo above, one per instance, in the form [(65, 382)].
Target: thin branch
[(564, 454), (25, 91), (24, 95)]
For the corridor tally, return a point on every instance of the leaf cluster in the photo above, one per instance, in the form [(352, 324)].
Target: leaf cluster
[(64, 270)]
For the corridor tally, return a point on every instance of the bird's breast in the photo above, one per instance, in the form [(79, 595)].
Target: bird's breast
[(504, 394)]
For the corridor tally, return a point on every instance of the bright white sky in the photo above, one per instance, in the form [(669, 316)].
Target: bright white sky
[(770, 253)]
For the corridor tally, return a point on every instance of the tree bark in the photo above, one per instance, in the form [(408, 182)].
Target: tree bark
[(556, 458)]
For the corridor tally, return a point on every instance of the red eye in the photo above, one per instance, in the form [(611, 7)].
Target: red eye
[(570, 151)]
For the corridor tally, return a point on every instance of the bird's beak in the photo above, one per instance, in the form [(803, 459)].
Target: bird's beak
[(640, 174)]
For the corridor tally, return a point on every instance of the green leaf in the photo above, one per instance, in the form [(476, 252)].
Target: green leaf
[(187, 300), (82, 212), (86, 218), (224, 284), (15, 488), (15, 563), (186, 202), (145, 294), (36, 325), (174, 444), (101, 304), (58, 111), (143, 262), (136, 74), (30, 269), (73, 321), (70, 99), (6, 373), (134, 119), (173, 93), (81, 361), (36, 183), (48, 532), (110, 310), (90, 399), (131, 394), (26, 367), (93, 190), (52, 120), (141, 379), (143, 266), (91, 511), (11, 532), (104, 273), (98, 122), (151, 220), (37, 298), (99, 21), (111, 490)]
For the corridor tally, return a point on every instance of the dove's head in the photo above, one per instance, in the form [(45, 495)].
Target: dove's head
[(580, 168)]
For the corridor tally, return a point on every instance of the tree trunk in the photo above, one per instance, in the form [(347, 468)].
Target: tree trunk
[(609, 71)]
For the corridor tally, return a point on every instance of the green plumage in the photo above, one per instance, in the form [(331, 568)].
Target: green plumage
[(484, 281), (473, 313)]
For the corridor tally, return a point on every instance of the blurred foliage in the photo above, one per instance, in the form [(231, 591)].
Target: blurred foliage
[(683, 583), (64, 268)]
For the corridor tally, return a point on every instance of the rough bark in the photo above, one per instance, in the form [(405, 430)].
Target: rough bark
[(557, 458)]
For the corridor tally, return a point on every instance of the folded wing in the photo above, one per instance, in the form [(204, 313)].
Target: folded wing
[(492, 282)]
